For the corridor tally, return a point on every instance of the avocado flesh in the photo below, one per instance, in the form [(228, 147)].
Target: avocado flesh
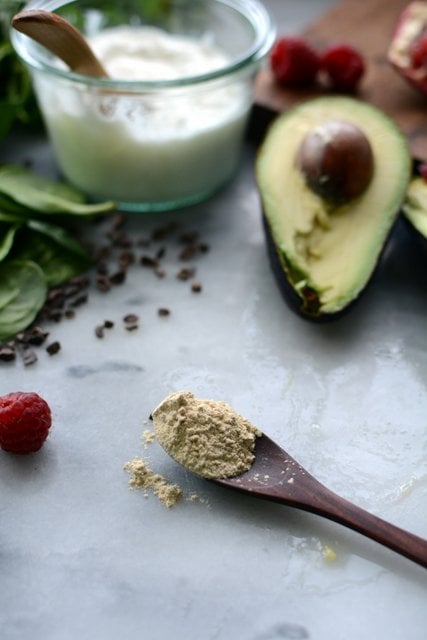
[(415, 204), (330, 251)]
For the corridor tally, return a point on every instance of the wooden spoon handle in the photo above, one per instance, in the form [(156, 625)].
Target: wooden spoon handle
[(329, 505), (61, 38), (276, 476)]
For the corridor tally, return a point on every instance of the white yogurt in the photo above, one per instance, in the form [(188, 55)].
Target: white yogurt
[(148, 53), (154, 149)]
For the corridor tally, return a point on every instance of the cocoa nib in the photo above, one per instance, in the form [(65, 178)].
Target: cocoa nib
[(7, 353), (131, 322), (53, 348), (163, 312), (185, 274), (148, 261)]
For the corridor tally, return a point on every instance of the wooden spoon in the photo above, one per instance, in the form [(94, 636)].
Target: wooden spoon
[(62, 38), (276, 476)]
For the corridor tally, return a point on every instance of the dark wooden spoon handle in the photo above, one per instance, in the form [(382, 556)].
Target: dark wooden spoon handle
[(277, 476), (316, 498)]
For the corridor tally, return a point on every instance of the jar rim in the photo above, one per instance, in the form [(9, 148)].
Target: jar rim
[(255, 13)]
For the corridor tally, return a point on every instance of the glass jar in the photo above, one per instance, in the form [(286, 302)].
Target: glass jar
[(152, 144)]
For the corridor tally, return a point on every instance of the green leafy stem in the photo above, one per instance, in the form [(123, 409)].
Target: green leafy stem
[(37, 251)]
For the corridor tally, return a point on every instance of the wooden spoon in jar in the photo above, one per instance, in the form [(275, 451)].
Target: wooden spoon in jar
[(61, 38)]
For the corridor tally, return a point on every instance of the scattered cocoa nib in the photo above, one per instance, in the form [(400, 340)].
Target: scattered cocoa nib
[(55, 315), (53, 348), (7, 353), (196, 287), (29, 356), (70, 290), (186, 274), (131, 322), (163, 311), (99, 331), (161, 253), (56, 297), (103, 283), (189, 252), (118, 278), (163, 232), (82, 281), (36, 336), (117, 248), (82, 299), (148, 261), (126, 258)]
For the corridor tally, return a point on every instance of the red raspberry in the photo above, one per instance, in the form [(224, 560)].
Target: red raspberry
[(294, 62), (344, 66), (25, 420), (418, 53)]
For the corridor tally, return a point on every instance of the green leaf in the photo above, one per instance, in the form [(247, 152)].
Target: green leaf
[(23, 291), (12, 218), (6, 240), (56, 252), (42, 195), (60, 236), (7, 205), (7, 116)]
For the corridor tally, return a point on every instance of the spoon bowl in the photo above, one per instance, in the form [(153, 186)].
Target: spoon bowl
[(61, 38), (277, 476)]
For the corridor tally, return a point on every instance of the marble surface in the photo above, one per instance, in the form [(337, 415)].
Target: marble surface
[(83, 557)]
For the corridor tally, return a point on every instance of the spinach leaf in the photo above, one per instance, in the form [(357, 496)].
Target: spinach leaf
[(42, 195), (7, 236), (23, 290), (56, 252), (10, 206), (7, 116), (12, 218), (60, 235)]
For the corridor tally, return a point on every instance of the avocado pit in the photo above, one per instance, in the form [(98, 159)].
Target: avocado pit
[(336, 160)]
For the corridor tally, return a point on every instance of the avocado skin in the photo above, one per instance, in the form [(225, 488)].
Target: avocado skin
[(415, 234), (260, 120), (290, 296), (418, 238)]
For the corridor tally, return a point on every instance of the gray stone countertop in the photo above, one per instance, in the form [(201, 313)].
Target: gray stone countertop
[(82, 557)]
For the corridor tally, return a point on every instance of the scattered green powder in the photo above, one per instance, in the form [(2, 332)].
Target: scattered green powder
[(208, 437), (142, 477)]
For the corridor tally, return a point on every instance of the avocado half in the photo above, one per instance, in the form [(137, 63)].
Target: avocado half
[(415, 208), (324, 252)]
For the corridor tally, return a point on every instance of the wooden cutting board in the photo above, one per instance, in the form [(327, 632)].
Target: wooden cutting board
[(369, 26)]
